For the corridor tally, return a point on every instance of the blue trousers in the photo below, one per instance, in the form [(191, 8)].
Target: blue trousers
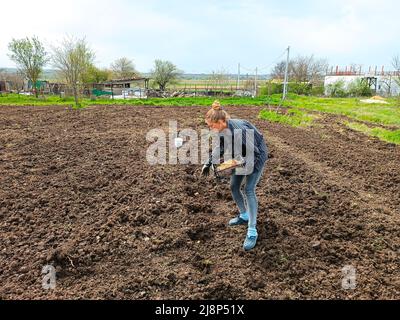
[(247, 200)]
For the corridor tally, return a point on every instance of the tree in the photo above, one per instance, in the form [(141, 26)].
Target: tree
[(337, 89), (302, 69), (308, 69), (359, 88), (164, 72), (15, 80), (73, 58), (96, 75), (219, 77), (278, 72), (124, 68), (30, 57), (396, 66)]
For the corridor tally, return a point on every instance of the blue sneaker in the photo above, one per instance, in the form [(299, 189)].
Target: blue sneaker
[(251, 239), (250, 242), (239, 220)]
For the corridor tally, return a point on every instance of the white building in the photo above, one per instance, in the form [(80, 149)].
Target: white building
[(382, 83)]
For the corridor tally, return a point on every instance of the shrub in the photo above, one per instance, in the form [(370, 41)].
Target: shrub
[(298, 88), (359, 88), (337, 89)]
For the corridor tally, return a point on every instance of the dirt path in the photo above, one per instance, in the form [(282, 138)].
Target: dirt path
[(76, 192)]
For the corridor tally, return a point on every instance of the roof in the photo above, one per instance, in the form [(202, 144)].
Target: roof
[(120, 81)]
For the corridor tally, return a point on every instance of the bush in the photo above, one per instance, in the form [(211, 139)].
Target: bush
[(300, 88), (318, 91), (293, 87), (359, 88), (271, 88), (337, 89)]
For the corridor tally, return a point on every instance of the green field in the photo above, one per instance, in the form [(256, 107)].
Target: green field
[(294, 117), (19, 100), (391, 136), (387, 114), (373, 115)]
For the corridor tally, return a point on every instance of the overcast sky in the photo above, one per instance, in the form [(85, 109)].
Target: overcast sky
[(202, 36)]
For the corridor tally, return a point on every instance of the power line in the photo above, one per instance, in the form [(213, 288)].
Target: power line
[(246, 69), (275, 61), (266, 67)]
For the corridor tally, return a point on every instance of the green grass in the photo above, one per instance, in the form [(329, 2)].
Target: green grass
[(383, 134), (21, 100), (351, 107), (17, 100), (387, 114), (294, 118)]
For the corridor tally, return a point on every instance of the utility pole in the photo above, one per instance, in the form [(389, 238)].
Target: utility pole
[(238, 78), (255, 83), (285, 84)]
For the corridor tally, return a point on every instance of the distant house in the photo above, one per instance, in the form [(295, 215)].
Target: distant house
[(138, 82), (41, 85), (123, 87), (382, 82)]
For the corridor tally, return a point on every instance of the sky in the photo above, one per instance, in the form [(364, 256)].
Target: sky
[(205, 36)]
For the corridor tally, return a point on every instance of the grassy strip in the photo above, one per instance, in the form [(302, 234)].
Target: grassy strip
[(382, 134), (387, 114), (20, 100), (294, 117)]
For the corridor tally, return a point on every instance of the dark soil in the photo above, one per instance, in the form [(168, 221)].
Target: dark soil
[(77, 192)]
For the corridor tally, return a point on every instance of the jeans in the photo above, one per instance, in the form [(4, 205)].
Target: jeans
[(247, 200)]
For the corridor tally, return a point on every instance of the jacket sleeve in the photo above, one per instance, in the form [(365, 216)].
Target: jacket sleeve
[(217, 152), (251, 145)]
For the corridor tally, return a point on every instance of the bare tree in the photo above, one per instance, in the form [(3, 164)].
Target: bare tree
[(219, 77), (16, 81), (317, 70), (124, 68), (278, 72), (72, 59), (249, 84), (30, 57), (396, 66), (164, 72), (308, 69), (386, 85), (302, 69)]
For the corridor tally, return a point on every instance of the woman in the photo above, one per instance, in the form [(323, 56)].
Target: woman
[(219, 120)]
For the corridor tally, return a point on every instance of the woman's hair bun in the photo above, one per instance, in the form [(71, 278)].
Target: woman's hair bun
[(216, 105)]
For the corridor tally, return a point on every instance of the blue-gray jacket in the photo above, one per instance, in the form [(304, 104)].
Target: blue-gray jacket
[(259, 146)]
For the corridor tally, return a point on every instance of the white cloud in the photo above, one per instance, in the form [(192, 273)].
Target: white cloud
[(204, 35)]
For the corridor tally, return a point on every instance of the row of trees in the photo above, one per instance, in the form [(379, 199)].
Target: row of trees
[(74, 61)]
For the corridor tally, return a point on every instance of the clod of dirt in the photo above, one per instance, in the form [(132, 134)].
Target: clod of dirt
[(316, 244), (256, 284), (222, 291), (200, 233), (204, 265)]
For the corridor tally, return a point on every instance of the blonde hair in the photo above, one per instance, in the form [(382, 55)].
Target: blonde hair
[(217, 113)]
